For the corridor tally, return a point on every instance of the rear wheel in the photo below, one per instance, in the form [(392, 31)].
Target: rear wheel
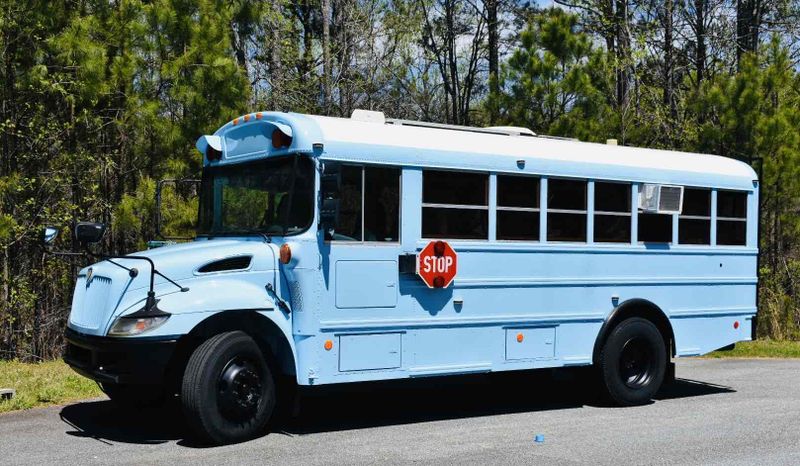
[(228, 390), (633, 362)]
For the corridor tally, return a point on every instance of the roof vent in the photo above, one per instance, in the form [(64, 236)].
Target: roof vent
[(225, 265), (512, 130), (660, 198), (369, 116)]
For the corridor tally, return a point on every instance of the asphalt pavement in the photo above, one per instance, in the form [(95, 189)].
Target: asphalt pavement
[(736, 411)]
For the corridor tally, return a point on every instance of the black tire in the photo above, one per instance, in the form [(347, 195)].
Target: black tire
[(633, 362), (228, 390), (134, 396)]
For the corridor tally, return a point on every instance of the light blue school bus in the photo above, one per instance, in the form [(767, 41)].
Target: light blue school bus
[(305, 266)]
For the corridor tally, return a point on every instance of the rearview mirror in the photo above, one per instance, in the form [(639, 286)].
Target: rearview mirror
[(88, 232), (49, 235)]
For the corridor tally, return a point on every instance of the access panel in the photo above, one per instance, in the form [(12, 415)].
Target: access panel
[(530, 343), (369, 351)]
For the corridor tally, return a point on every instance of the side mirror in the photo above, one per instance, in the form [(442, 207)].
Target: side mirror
[(88, 232), (49, 235)]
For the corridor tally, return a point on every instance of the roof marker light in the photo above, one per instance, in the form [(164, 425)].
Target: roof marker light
[(328, 345), (247, 117), (259, 115), (235, 121)]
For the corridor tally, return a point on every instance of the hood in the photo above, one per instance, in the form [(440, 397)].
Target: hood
[(104, 290), (184, 260)]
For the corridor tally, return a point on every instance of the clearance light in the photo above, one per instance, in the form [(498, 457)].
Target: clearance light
[(247, 118), (520, 337), (328, 345), (286, 254), (736, 325), (235, 121), (259, 115)]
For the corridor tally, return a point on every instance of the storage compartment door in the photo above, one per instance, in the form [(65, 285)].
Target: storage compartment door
[(530, 343), (369, 351)]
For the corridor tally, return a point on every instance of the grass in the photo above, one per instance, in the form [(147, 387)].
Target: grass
[(761, 349), (43, 384)]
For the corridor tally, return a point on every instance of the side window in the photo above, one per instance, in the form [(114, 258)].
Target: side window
[(731, 218), (655, 228), (694, 223), (369, 209), (566, 210), (455, 205), (348, 228), (517, 208), (612, 212), (381, 204)]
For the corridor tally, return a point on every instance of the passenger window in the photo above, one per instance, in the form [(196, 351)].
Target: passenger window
[(612, 212), (694, 223), (731, 218), (375, 192), (517, 208), (455, 205), (655, 228), (566, 210)]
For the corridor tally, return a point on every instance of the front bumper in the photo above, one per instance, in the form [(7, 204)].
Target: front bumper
[(119, 360)]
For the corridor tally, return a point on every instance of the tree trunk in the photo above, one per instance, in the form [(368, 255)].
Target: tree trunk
[(326, 55), (494, 53), (700, 39)]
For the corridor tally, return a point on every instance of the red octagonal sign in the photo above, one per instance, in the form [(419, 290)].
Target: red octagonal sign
[(437, 264)]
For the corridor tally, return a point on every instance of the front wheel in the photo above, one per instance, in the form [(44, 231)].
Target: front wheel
[(228, 390), (633, 362)]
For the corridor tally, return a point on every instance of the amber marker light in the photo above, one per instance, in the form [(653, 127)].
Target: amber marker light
[(259, 115), (328, 345), (520, 337), (286, 254), (247, 118)]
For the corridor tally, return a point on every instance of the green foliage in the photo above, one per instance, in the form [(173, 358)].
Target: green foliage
[(556, 82), (42, 384), (765, 348)]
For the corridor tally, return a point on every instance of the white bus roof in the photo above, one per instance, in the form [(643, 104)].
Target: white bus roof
[(370, 138), (550, 156)]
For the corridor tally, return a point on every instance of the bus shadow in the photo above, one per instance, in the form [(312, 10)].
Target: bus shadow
[(375, 404)]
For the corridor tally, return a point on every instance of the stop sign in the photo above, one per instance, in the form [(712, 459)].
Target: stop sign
[(436, 264)]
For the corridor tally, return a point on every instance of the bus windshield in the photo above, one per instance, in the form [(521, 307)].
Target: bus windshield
[(269, 196)]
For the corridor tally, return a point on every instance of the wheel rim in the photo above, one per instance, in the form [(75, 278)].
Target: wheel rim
[(240, 389), (636, 363)]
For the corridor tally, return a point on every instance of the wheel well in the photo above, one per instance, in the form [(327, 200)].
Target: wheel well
[(265, 332), (636, 308)]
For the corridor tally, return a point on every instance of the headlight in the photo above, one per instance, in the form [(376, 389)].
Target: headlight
[(126, 326)]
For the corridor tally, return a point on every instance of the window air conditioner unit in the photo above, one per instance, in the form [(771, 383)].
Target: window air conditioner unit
[(660, 198)]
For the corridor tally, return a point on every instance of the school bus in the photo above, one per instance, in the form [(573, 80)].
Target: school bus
[(335, 250)]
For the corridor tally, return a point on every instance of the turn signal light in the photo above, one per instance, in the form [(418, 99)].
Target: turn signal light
[(286, 254)]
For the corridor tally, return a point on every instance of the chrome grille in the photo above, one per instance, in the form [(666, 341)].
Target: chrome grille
[(297, 296), (90, 301)]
